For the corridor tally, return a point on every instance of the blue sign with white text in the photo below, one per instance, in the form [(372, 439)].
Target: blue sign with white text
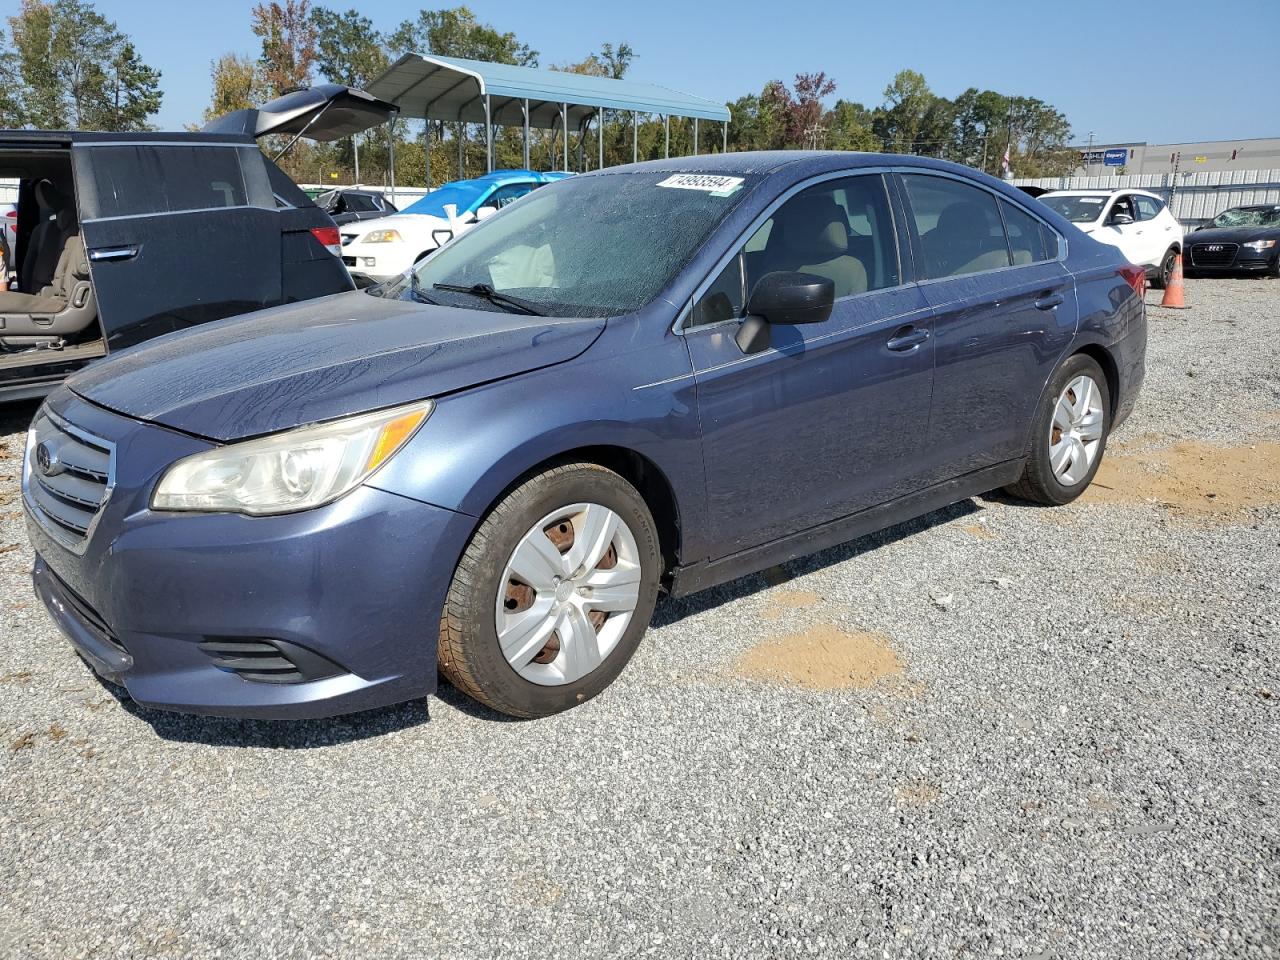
[(1116, 158)]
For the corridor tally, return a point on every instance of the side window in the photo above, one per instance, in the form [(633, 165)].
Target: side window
[(1124, 206), (838, 229), (504, 195), (959, 226), (1148, 207), (1028, 237), (145, 178)]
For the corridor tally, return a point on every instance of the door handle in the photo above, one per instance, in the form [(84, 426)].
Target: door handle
[(907, 338), (113, 253), (1050, 301)]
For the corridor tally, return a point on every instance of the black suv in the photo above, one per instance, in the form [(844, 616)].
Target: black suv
[(126, 236)]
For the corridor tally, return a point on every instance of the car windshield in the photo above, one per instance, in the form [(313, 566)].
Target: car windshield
[(462, 194), (1248, 217), (593, 246), (1077, 208)]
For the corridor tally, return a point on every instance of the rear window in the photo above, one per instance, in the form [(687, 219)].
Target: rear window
[(138, 179), (959, 226)]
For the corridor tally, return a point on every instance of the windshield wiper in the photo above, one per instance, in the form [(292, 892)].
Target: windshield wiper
[(415, 290), (487, 292)]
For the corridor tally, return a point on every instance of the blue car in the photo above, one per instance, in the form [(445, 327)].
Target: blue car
[(377, 250), (652, 378)]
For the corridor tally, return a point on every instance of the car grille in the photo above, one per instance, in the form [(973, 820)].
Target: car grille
[(67, 478), (1213, 254)]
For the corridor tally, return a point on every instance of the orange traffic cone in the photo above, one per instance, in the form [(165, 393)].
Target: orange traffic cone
[(1173, 289)]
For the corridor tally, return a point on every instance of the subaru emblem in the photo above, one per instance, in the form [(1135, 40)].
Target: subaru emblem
[(47, 459)]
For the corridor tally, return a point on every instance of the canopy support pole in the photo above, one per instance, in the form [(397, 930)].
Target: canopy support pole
[(582, 144), (426, 142), (564, 127), (695, 136), (355, 152), (635, 136), (725, 130), (391, 156), (666, 148), (462, 145), (525, 107), (488, 135), (600, 136)]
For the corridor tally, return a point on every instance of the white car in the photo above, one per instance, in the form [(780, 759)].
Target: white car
[(1137, 222), (377, 250)]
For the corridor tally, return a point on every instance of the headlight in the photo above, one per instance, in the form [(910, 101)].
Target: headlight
[(1260, 244), (381, 236), (286, 472)]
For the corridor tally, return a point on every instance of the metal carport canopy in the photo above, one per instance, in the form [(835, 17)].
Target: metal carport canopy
[(450, 88)]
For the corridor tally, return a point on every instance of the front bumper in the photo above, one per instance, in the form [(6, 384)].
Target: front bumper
[(357, 585), (1244, 260), (377, 262)]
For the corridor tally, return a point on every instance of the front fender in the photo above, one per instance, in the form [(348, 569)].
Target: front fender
[(620, 394)]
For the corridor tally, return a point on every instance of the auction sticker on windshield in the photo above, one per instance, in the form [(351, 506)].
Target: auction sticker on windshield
[(714, 184)]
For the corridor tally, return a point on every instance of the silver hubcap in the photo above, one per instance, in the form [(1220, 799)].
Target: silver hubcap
[(1076, 431), (568, 593)]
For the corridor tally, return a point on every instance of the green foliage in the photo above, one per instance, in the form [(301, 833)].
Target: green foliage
[(348, 48), (457, 33), (235, 83), (288, 37), (69, 67)]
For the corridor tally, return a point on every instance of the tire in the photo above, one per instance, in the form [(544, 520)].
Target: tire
[(1165, 271), (1040, 482), (538, 673), (1274, 272)]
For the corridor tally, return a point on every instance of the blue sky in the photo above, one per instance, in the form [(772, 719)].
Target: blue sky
[(1111, 67)]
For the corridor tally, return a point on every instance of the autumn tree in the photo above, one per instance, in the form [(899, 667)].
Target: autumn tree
[(288, 37), (235, 84)]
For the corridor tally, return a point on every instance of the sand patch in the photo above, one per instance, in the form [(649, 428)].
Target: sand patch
[(1192, 478), (917, 793), (824, 657), (787, 600), (977, 530)]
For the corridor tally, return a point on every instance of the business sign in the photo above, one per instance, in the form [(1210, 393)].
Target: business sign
[(1109, 158)]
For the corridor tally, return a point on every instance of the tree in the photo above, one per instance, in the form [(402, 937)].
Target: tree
[(457, 33), (288, 37), (849, 127), (234, 83), (804, 109), (73, 68), (348, 48), (900, 121), (607, 63)]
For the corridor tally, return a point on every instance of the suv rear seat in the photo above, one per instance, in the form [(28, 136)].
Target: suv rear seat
[(64, 307)]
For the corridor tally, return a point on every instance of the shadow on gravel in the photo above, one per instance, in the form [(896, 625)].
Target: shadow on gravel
[(673, 611), (276, 734)]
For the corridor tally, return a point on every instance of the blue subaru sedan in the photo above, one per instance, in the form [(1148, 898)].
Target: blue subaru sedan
[(652, 378)]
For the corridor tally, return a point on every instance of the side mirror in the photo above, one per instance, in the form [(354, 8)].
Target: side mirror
[(484, 213), (784, 298), (1120, 219)]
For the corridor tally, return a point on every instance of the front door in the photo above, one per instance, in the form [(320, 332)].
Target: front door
[(1004, 312), (176, 234), (830, 419)]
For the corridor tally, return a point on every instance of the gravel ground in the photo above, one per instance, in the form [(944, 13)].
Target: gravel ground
[(1062, 744)]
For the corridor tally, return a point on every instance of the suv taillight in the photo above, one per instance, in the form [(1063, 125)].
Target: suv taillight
[(1136, 277), (328, 236)]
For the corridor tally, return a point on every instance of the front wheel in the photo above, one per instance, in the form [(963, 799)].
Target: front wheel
[(1068, 436), (1165, 274), (553, 593)]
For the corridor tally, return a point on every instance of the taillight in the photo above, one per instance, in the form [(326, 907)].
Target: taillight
[(12, 214), (1136, 277), (328, 236)]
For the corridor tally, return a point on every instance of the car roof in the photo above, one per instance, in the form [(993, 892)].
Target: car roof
[(69, 137), (1101, 190)]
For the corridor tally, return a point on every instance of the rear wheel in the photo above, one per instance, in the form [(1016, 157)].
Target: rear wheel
[(553, 593), (1165, 273), (1069, 435)]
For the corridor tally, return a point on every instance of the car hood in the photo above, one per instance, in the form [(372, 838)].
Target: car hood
[(417, 220), (322, 359), (1233, 234)]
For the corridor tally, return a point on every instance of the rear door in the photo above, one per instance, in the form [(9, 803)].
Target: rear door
[(1003, 315), (177, 234), (1158, 229)]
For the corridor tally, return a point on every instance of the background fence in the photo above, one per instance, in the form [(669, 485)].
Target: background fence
[(1195, 198)]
